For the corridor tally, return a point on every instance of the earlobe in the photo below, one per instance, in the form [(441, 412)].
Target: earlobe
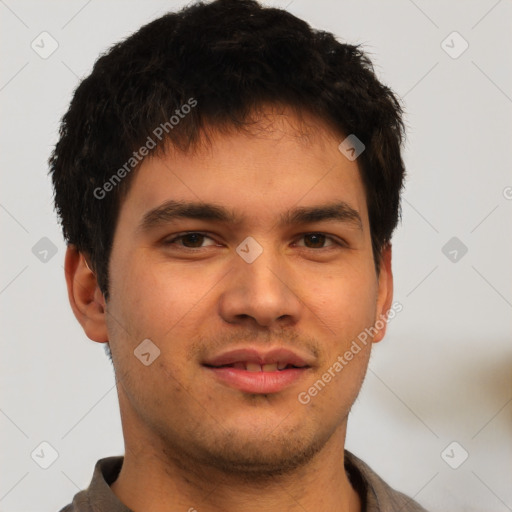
[(85, 297), (385, 294)]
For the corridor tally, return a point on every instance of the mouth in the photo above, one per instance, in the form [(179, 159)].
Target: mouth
[(257, 367), (252, 371)]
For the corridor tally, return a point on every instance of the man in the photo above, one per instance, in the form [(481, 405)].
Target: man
[(228, 180)]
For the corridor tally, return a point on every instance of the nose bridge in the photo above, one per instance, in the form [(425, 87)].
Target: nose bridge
[(261, 275), (258, 286)]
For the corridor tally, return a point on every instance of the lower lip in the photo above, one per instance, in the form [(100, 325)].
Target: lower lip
[(258, 382)]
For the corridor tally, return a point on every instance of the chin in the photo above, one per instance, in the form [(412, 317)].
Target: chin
[(260, 456)]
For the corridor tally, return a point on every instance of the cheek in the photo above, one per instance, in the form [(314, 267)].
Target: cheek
[(157, 297), (344, 300), (160, 299)]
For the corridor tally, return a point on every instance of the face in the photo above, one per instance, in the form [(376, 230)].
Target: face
[(251, 254)]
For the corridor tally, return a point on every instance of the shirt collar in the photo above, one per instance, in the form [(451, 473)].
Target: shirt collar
[(375, 494)]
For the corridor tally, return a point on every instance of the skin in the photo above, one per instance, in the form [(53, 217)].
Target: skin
[(191, 441)]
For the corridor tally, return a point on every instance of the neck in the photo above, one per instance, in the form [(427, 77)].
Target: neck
[(159, 480)]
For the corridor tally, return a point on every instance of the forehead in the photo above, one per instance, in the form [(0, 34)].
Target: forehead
[(279, 162)]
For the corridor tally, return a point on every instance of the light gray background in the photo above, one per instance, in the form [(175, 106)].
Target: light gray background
[(442, 374)]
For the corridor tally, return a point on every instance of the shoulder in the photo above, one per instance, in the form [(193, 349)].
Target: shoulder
[(374, 491), (98, 497)]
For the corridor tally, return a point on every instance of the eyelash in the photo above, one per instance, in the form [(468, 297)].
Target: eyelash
[(336, 241)]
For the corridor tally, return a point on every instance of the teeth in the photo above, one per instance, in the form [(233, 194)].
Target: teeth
[(253, 367)]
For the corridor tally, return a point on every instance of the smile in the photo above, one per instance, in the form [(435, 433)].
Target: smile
[(252, 371), (256, 367)]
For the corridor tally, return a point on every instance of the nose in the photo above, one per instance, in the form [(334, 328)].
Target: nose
[(262, 292)]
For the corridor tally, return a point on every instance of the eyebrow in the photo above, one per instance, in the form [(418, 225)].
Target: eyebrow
[(171, 210)]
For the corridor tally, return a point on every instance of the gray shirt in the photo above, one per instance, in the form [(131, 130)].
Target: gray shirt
[(375, 494)]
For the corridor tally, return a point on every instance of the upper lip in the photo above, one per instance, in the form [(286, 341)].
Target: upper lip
[(253, 355)]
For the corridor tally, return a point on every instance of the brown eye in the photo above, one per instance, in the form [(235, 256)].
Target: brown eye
[(191, 240), (317, 241)]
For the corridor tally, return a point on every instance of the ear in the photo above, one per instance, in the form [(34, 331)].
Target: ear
[(85, 297), (385, 294)]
